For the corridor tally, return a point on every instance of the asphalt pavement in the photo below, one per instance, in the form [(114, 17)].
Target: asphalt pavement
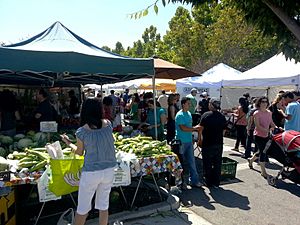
[(249, 199), (246, 200)]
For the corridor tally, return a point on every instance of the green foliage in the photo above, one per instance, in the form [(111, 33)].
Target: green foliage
[(211, 33), (147, 47), (119, 49), (106, 48), (284, 24)]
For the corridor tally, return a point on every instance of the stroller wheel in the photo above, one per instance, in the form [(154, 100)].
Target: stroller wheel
[(271, 180)]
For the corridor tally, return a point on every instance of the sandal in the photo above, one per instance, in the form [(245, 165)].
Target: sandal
[(250, 164)]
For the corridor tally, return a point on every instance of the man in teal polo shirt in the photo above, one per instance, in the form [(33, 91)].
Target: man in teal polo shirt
[(183, 132)]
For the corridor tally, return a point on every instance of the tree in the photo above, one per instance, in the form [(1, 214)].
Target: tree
[(184, 41), (273, 17), (232, 41), (147, 47), (106, 48), (119, 48)]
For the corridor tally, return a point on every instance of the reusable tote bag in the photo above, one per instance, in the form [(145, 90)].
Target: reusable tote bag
[(65, 175)]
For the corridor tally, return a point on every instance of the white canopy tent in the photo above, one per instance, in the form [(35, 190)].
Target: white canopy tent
[(267, 78), (211, 81)]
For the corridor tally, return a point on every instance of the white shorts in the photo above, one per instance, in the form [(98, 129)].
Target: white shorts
[(95, 181)]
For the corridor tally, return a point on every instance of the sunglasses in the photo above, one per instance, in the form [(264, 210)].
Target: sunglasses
[(264, 101)]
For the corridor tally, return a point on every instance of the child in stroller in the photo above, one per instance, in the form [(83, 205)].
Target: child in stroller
[(285, 148)]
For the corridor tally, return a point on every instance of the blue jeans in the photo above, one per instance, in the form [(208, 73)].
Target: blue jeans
[(187, 152)]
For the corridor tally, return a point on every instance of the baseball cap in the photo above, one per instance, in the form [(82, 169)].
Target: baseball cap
[(215, 103), (194, 89), (204, 94)]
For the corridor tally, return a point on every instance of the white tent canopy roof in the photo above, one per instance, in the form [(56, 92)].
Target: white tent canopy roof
[(211, 78), (276, 71)]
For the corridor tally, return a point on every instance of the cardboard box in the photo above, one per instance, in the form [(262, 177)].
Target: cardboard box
[(8, 209)]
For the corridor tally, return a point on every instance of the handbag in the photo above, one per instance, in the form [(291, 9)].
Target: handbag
[(65, 175), (231, 124), (67, 218)]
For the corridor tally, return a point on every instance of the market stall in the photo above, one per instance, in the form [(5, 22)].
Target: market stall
[(143, 156), (211, 81), (267, 78)]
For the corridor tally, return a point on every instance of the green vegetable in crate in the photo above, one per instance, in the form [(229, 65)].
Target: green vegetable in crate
[(28, 164), (18, 137), (38, 166), (114, 197), (6, 140), (30, 133), (40, 137), (25, 143), (40, 155), (18, 155), (3, 152)]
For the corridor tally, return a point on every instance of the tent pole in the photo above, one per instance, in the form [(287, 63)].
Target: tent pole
[(155, 116)]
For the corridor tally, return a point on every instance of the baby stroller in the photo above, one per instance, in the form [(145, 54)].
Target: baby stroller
[(285, 148)]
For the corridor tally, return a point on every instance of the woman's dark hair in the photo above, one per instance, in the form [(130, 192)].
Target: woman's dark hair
[(148, 95), (151, 101), (107, 101), (171, 99), (91, 113), (244, 104), (184, 100), (259, 100), (8, 102), (136, 97)]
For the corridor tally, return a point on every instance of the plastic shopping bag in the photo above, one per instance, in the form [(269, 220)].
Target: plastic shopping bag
[(65, 175), (45, 194), (67, 218)]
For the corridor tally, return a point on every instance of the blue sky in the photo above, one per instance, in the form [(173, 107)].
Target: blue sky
[(101, 22)]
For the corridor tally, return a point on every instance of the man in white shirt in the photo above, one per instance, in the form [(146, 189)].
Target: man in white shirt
[(163, 101)]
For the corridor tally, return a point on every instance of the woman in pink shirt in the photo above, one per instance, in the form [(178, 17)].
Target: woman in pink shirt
[(263, 123), (241, 124)]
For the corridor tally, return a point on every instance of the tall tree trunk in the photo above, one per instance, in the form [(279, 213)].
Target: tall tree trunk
[(286, 19)]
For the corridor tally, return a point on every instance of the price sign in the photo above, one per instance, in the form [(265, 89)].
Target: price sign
[(48, 126)]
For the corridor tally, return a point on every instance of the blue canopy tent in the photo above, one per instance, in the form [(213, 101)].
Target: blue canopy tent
[(59, 57)]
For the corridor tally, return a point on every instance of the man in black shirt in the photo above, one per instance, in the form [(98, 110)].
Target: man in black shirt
[(203, 103), (74, 104), (212, 125), (45, 111)]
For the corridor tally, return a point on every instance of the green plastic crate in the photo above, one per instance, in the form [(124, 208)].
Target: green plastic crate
[(228, 169)]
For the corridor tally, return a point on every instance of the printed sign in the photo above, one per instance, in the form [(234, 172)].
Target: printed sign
[(200, 89), (122, 175), (48, 126)]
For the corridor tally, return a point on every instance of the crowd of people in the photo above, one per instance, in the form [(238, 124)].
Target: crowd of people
[(185, 118), (177, 118), (256, 120)]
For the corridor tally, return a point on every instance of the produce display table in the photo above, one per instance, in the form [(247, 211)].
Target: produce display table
[(155, 165), (158, 164), (138, 168)]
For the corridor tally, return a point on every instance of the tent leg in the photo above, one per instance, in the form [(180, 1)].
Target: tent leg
[(155, 116)]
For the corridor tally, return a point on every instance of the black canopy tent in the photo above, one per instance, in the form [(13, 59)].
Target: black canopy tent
[(59, 57)]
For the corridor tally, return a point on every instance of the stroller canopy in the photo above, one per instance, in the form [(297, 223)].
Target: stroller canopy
[(288, 140)]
